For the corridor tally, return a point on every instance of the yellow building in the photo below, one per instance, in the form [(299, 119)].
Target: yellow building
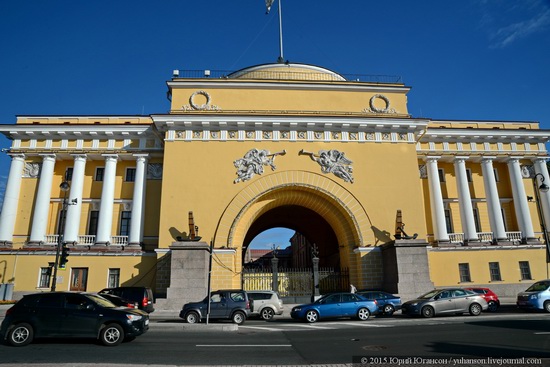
[(275, 145)]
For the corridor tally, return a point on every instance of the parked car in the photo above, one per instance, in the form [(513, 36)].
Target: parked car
[(229, 304), (336, 305), (119, 301), (537, 296), (445, 301), (387, 302), (266, 304), (142, 295), (71, 314), (489, 296)]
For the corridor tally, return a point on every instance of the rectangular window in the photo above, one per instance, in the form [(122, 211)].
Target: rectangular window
[(469, 175), (99, 172), (69, 174), (441, 174), (464, 270), (125, 218), (494, 269), (114, 278), (476, 220), (130, 175), (92, 226), (525, 270), (448, 221), (45, 277), (79, 279)]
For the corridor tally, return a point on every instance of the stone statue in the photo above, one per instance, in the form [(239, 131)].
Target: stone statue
[(333, 161), (253, 163)]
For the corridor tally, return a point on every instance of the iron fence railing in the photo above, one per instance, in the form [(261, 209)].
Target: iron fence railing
[(286, 75), (296, 282)]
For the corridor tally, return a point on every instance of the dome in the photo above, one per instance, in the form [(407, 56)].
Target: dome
[(287, 71)]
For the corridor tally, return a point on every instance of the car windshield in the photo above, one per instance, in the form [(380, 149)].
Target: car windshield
[(429, 295), (101, 301), (538, 287)]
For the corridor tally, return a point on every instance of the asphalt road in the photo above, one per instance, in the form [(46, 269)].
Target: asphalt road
[(286, 342)]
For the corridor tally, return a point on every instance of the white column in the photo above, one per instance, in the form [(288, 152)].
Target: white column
[(138, 205), (521, 205), (493, 200), (540, 168), (465, 200), (42, 201), (105, 219), (11, 199), (72, 221), (436, 200)]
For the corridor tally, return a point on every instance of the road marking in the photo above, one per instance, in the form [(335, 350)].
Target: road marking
[(243, 345), (259, 327), (309, 326), (360, 324), (543, 333)]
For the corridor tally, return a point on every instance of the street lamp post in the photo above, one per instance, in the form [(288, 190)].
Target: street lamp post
[(544, 188), (65, 188)]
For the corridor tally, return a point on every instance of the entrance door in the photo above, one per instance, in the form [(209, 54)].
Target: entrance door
[(79, 279)]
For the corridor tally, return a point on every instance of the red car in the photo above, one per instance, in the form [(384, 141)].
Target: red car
[(489, 296)]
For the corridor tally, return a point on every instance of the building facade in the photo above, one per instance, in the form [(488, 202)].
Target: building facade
[(338, 159)]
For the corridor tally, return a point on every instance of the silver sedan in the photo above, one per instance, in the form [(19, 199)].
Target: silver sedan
[(445, 301)]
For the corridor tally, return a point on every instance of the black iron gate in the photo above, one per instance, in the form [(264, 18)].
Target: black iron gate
[(295, 282)]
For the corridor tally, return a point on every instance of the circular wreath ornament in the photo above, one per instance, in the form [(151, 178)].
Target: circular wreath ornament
[(202, 106), (376, 109)]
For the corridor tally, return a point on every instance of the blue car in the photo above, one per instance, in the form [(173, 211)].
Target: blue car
[(387, 302), (536, 297), (336, 305)]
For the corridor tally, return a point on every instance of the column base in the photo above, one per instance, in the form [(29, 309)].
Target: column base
[(106, 243), (133, 245)]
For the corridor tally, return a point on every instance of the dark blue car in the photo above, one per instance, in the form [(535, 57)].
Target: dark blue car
[(336, 305), (387, 302)]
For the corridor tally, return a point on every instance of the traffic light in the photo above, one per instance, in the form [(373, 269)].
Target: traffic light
[(63, 257)]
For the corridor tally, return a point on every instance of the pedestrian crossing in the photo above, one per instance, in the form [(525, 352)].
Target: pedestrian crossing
[(294, 326)]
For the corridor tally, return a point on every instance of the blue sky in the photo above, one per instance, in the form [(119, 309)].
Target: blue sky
[(469, 59)]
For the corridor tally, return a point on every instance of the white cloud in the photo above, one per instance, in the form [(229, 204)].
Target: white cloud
[(504, 36)]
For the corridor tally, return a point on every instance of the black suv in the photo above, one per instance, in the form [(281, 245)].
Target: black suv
[(143, 296), (229, 304), (71, 314)]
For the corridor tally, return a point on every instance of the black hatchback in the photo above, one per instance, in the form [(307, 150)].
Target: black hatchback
[(71, 314)]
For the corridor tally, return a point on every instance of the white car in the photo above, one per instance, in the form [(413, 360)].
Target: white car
[(266, 304)]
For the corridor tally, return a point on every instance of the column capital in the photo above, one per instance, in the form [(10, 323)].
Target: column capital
[(82, 157), (108, 156), (46, 156), (514, 159), (461, 158), (539, 159), (17, 155), (488, 158), (432, 158)]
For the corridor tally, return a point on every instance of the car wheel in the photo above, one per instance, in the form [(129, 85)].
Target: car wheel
[(427, 311), (493, 306), (267, 313), (363, 314), (475, 309), (388, 310), (312, 316), (20, 335), (192, 317), (111, 335), (547, 306), (238, 318)]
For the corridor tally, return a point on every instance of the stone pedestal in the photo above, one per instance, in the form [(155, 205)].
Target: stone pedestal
[(406, 269), (188, 274)]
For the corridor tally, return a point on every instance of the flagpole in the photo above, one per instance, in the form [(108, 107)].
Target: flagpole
[(281, 57)]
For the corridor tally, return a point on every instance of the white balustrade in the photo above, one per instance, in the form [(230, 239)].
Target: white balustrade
[(119, 240), (456, 237)]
